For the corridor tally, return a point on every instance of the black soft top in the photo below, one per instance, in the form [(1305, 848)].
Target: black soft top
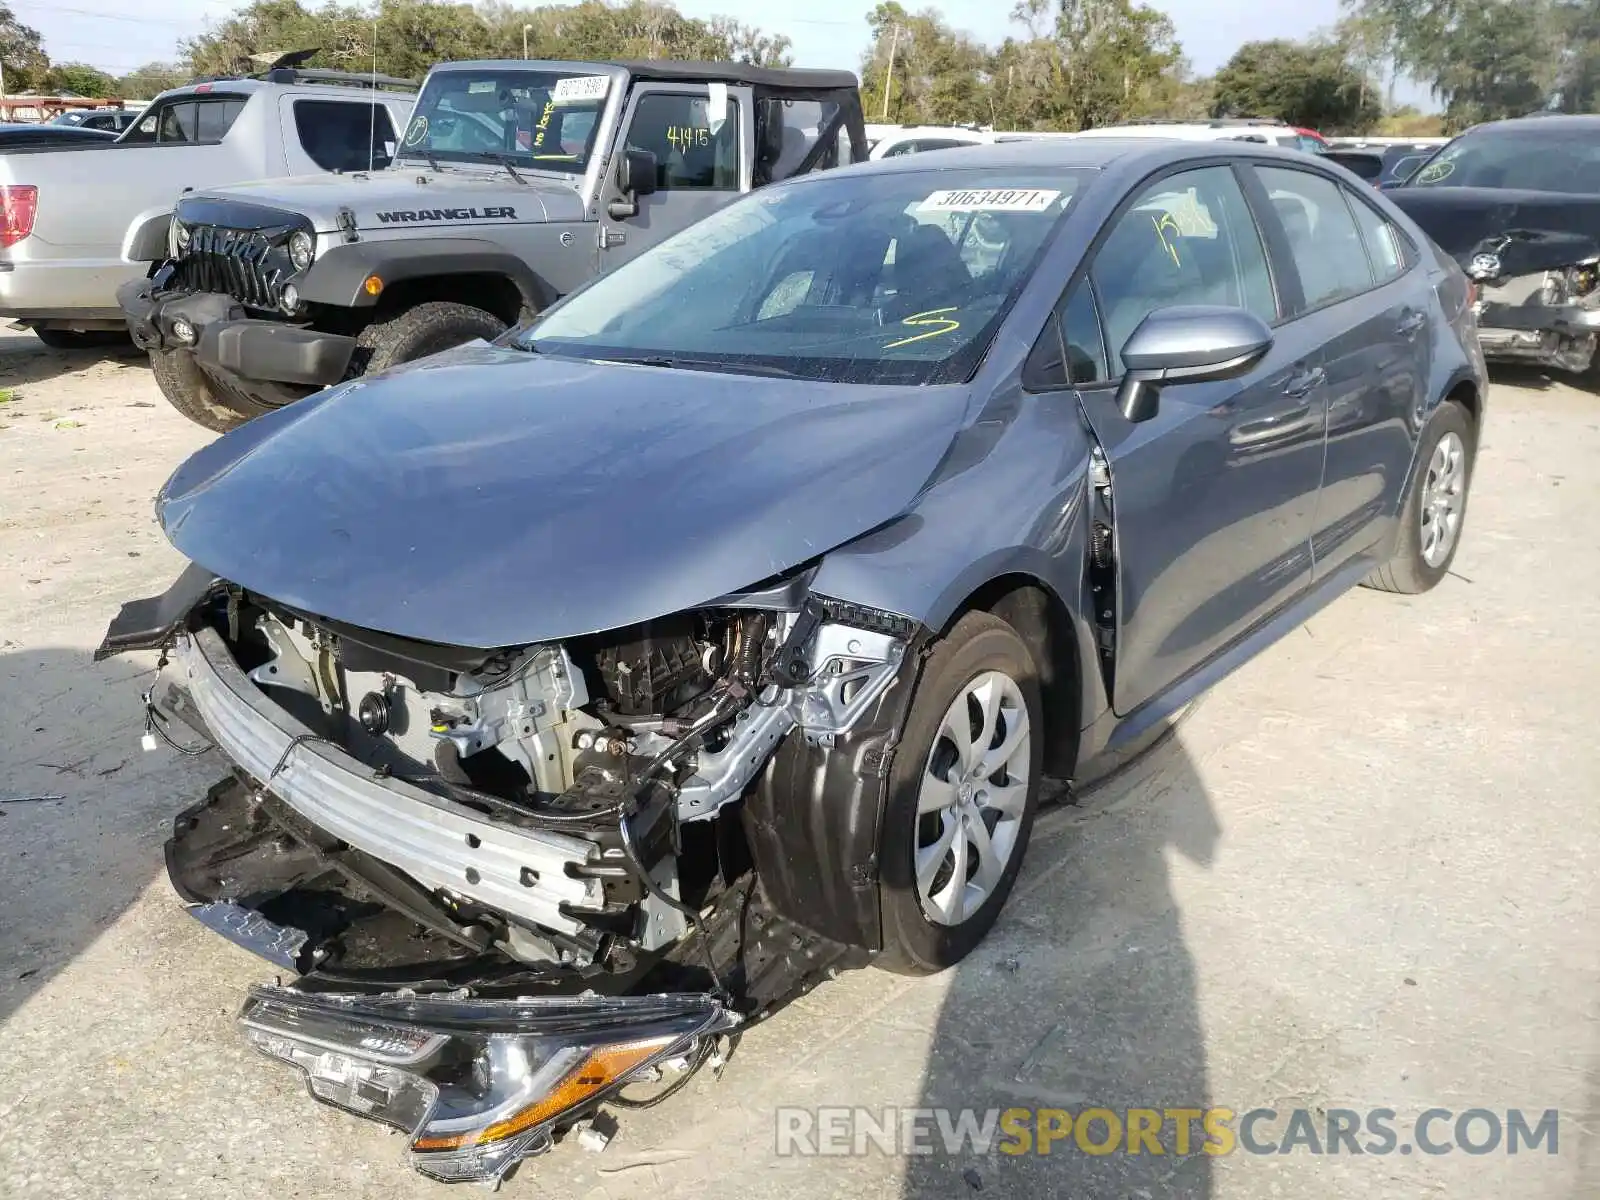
[(787, 78)]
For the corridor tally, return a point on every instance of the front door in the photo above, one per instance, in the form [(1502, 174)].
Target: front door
[(701, 136), (1214, 497)]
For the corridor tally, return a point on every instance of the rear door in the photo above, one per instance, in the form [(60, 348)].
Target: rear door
[(1365, 302), (701, 136), (1215, 495)]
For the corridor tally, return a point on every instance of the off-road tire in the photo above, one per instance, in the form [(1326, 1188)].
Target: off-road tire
[(421, 331), (912, 944), (204, 400), (73, 339), (1407, 572)]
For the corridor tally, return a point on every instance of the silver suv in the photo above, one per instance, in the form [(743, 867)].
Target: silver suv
[(515, 182), (78, 222)]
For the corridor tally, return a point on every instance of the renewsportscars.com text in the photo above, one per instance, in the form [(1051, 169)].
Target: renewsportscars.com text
[(1164, 1131)]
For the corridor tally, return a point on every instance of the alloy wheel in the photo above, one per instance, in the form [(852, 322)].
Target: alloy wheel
[(970, 803), (1444, 492)]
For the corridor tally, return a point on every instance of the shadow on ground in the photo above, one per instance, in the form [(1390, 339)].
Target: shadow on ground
[(70, 728), (1537, 379), (25, 360), (1084, 996)]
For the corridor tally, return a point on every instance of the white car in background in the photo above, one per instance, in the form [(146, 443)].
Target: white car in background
[(1237, 129)]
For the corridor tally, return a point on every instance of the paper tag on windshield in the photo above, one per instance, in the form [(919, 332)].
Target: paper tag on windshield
[(717, 109), (576, 88), (990, 200)]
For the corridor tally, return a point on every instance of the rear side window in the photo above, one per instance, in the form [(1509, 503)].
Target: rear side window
[(1327, 248), (342, 135), (1386, 247), (787, 132), (203, 121)]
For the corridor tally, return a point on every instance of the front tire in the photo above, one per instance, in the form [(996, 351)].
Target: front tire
[(962, 796), (1435, 506), (204, 400), (421, 331)]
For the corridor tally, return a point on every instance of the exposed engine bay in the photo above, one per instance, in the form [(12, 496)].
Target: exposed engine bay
[(549, 800), (1538, 297), (546, 838)]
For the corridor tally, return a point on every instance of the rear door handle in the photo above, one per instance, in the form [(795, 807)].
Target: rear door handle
[(1303, 383), (1410, 324)]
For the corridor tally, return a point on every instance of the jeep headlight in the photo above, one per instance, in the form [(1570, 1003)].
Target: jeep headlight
[(302, 249), (477, 1084), (179, 236)]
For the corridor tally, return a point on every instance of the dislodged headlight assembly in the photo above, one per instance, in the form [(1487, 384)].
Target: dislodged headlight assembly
[(478, 1084)]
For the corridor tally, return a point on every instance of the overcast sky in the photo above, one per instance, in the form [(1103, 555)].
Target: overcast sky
[(112, 35)]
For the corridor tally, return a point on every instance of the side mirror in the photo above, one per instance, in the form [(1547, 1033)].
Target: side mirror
[(636, 176), (1187, 344), (639, 173)]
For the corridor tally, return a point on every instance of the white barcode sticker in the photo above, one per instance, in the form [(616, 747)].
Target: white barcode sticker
[(991, 200), (575, 88)]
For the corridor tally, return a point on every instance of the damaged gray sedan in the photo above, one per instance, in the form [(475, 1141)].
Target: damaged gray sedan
[(589, 695)]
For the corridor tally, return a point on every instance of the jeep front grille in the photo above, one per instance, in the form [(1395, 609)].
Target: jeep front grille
[(242, 263)]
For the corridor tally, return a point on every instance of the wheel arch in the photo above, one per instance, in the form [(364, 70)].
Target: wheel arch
[(433, 268), (1044, 622)]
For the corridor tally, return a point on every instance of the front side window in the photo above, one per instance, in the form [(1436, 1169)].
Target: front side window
[(888, 278), (541, 120), (1187, 239), (1327, 248), (342, 135), (696, 147)]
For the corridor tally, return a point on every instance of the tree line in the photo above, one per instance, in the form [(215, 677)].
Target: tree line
[(1067, 64)]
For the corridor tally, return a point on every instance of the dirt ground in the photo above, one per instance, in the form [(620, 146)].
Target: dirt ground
[(1361, 875)]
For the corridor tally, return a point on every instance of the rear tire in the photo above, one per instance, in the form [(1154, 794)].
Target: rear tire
[(1434, 510), (421, 331), (72, 339), (939, 892), (198, 396)]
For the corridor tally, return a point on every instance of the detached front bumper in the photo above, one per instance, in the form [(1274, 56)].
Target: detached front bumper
[(479, 1084), (215, 329)]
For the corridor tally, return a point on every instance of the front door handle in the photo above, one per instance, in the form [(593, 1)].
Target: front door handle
[(1410, 324), (1303, 383)]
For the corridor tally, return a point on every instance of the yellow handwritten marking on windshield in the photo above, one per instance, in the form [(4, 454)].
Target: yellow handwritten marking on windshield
[(931, 317), (543, 126), (1166, 229)]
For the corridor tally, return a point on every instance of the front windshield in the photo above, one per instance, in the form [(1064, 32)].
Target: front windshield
[(1541, 160), (543, 120), (900, 277)]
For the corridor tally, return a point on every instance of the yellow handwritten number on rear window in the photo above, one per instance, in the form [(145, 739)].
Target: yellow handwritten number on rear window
[(931, 317)]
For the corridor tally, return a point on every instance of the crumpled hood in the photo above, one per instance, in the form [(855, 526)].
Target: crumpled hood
[(487, 497), (407, 189), (1459, 218)]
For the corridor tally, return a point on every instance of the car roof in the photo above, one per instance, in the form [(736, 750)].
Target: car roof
[(1094, 153), (1576, 122), (668, 70)]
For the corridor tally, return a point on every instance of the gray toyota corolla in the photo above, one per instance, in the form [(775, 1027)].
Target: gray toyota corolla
[(590, 694)]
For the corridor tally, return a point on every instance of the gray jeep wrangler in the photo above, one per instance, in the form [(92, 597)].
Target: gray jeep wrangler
[(514, 183)]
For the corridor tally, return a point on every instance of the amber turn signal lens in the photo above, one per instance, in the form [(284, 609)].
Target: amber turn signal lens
[(604, 1066), (372, 285)]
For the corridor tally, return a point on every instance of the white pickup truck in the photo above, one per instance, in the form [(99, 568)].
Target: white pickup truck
[(75, 224)]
